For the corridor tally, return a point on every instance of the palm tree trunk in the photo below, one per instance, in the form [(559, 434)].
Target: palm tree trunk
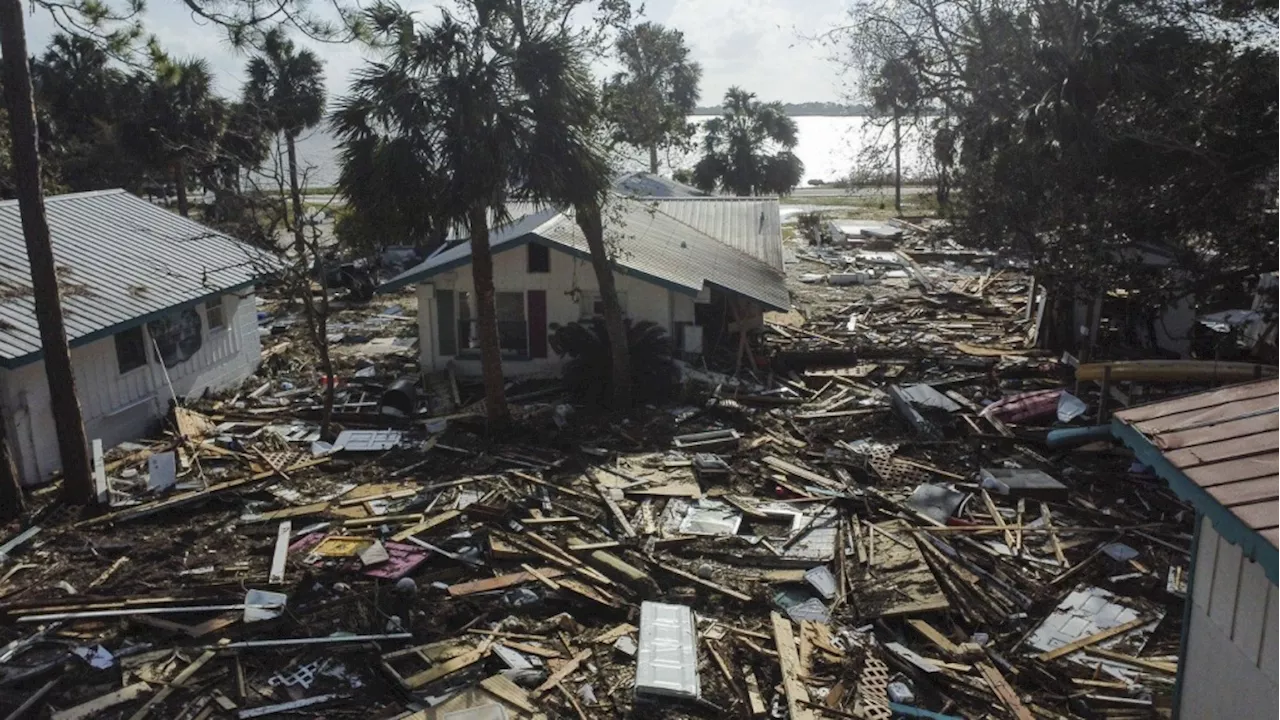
[(317, 318), (897, 163), (592, 226), (180, 185), (495, 400), (63, 403), (653, 159)]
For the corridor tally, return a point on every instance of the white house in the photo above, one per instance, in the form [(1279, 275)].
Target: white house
[(151, 301), (1217, 451), (701, 267)]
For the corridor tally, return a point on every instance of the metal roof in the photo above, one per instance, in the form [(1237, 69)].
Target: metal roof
[(1218, 451), (643, 184), (121, 261), (750, 224), (654, 246)]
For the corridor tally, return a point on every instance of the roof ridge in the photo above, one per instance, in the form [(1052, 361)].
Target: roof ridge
[(75, 195)]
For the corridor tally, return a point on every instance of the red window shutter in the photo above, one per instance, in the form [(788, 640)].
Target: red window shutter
[(537, 323)]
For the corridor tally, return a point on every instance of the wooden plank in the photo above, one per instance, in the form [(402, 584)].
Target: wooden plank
[(1269, 422), (94, 708), (616, 632), (1053, 536), (177, 682), (1206, 416), (754, 699), (1093, 639), (1259, 515), (796, 471), (997, 518), (507, 691), (281, 554), (796, 693), (618, 516), (426, 525), (448, 667), (1245, 491), (705, 583), (1006, 694), (1224, 450), (938, 639), (565, 671), (1162, 667), (1247, 468), (532, 649), (551, 584), (1265, 388)]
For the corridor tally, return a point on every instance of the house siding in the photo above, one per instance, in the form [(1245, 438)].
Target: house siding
[(643, 301), (1229, 664), (118, 407)]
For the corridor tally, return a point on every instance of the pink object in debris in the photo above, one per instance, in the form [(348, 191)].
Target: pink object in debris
[(1024, 406), (404, 558)]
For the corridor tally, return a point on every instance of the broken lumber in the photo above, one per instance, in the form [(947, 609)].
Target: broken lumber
[(796, 693)]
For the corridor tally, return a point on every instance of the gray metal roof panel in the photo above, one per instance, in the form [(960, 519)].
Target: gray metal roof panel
[(120, 259), (750, 224), (645, 184), (655, 246)]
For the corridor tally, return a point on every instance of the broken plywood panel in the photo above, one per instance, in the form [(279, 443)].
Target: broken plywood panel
[(899, 582)]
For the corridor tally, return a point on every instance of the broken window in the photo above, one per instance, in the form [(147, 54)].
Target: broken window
[(513, 329), (213, 314), (131, 350)]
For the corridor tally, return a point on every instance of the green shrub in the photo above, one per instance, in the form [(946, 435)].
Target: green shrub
[(587, 374)]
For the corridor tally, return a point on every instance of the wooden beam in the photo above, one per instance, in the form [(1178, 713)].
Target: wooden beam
[(705, 583), (796, 693), (1006, 694), (281, 554), (1094, 638), (565, 671)]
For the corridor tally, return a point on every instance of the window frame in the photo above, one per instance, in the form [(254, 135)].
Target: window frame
[(144, 355), (591, 298), (468, 345), (220, 305)]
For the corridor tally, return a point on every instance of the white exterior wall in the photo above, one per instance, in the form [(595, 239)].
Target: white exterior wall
[(1229, 669), (124, 407), (643, 301)]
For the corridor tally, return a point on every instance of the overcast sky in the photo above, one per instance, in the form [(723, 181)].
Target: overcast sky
[(757, 44)]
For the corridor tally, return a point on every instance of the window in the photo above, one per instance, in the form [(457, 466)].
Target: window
[(131, 350), (213, 314), (593, 304), (539, 258), (513, 329)]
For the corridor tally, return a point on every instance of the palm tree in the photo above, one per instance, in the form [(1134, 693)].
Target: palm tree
[(478, 114), (179, 119), (286, 87), (748, 150)]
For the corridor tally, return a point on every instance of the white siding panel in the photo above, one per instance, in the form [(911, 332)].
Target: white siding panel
[(1206, 559), (1226, 583), (1251, 610), (1271, 633), (1219, 681)]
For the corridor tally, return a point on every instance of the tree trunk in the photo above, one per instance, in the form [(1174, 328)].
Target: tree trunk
[(63, 403), (653, 159), (12, 504), (180, 186), (592, 226), (495, 400), (317, 318), (897, 163)]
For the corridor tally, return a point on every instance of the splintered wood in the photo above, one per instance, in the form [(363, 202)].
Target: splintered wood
[(899, 582), (789, 661)]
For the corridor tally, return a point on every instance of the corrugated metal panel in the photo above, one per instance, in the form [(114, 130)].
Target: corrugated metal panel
[(642, 184), (751, 225), (120, 260), (661, 247), (654, 245), (1225, 441), (667, 662)]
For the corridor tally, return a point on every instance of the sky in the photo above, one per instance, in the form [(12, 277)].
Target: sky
[(759, 45)]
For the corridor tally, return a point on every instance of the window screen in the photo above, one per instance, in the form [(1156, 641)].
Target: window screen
[(213, 313), (131, 349)]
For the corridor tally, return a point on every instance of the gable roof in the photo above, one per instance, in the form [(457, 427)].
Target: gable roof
[(1217, 450), (656, 247), (121, 262)]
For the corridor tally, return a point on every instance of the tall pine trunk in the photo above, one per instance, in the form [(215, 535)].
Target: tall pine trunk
[(180, 186), (12, 504), (495, 400), (63, 403), (592, 225), (317, 318), (897, 162), (653, 159)]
